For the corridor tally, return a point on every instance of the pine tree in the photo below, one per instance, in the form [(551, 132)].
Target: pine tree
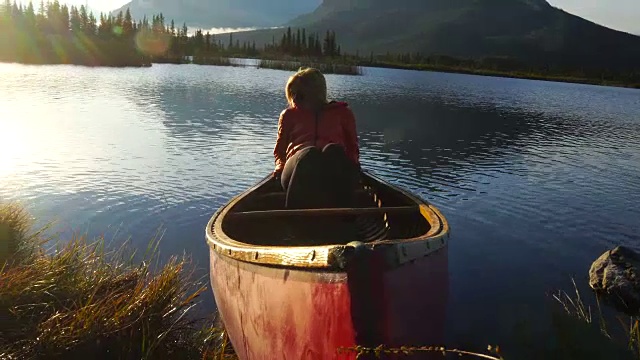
[(30, 17), (303, 45), (119, 21), (84, 19), (327, 44), (310, 50), (214, 43), (127, 25), (334, 47), (318, 46), (289, 41), (198, 40), (145, 23), (207, 42), (75, 20), (65, 18), (91, 28), (103, 27)]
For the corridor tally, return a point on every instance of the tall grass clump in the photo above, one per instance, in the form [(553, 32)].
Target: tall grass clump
[(81, 301), (588, 334), (18, 242)]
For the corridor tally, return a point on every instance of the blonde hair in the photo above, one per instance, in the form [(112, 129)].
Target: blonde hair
[(308, 88)]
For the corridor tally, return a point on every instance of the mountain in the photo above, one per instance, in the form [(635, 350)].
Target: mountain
[(529, 30), (222, 13)]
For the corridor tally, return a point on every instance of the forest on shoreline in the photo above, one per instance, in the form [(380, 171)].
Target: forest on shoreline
[(58, 34)]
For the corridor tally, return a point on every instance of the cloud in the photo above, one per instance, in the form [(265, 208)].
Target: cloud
[(225, 30)]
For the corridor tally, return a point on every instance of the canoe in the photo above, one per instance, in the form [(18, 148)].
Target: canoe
[(314, 283)]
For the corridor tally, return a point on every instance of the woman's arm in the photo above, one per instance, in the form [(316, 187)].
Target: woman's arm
[(351, 136), (280, 149)]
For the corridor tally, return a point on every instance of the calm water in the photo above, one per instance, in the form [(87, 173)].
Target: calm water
[(537, 179)]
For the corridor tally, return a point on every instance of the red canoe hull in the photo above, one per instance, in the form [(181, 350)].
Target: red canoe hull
[(277, 313)]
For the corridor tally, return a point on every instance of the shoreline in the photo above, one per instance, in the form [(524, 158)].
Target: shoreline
[(377, 65), (502, 74), (114, 66)]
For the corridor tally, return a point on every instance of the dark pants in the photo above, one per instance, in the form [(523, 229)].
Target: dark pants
[(315, 178)]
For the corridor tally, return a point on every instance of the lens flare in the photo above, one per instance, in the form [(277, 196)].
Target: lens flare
[(151, 43)]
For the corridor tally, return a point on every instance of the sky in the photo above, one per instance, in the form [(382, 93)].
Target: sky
[(617, 14)]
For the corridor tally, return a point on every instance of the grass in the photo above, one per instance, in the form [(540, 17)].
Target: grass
[(594, 336), (17, 243), (381, 351), (81, 301), (212, 60), (325, 67)]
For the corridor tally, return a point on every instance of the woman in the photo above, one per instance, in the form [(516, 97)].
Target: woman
[(316, 151)]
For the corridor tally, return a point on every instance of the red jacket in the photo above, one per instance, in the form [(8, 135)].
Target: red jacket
[(299, 128)]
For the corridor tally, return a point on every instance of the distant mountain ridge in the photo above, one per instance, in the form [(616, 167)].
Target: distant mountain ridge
[(532, 30), (222, 13)]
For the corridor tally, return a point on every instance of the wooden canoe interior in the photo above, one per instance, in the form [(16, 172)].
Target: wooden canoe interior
[(381, 213)]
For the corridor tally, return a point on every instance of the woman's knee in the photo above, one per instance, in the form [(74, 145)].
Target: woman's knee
[(333, 147), (304, 162)]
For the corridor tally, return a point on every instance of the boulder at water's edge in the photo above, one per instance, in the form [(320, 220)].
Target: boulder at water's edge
[(616, 276)]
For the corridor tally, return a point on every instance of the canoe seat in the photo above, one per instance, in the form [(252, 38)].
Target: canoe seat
[(281, 195), (379, 212)]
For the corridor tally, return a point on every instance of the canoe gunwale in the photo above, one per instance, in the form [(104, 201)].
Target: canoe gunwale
[(329, 257)]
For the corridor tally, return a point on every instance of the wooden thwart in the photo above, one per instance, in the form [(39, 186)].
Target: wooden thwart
[(323, 212), (280, 195)]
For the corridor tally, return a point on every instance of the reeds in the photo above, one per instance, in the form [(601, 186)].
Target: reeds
[(82, 301), (212, 60), (327, 68), (17, 241), (588, 332), (380, 352)]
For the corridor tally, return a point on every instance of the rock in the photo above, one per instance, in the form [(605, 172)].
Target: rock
[(616, 276)]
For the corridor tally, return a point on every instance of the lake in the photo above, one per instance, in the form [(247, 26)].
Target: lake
[(537, 179)]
